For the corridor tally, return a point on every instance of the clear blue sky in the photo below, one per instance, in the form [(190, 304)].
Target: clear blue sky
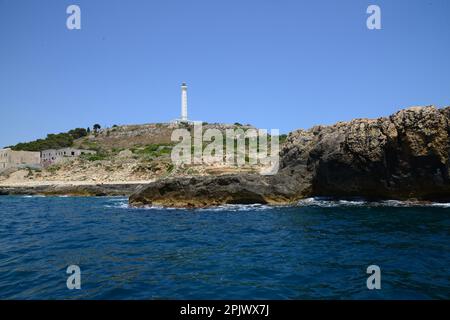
[(275, 64)]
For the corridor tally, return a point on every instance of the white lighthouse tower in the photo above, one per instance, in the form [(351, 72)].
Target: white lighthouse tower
[(184, 114), (184, 111)]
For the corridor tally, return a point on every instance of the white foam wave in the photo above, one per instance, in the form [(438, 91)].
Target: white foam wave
[(122, 203), (239, 207), (34, 196), (226, 207), (118, 202), (327, 203)]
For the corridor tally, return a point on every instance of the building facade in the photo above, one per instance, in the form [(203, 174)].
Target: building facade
[(52, 156), (18, 159)]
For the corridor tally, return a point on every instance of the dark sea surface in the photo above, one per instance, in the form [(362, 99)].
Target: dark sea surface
[(316, 250)]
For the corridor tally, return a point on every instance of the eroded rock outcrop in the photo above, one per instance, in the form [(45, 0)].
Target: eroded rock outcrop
[(404, 156), (87, 190), (212, 190)]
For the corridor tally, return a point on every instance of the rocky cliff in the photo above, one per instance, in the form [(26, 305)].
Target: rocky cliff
[(403, 156)]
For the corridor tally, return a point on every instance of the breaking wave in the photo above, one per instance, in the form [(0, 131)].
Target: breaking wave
[(122, 203), (329, 203), (240, 207), (118, 202)]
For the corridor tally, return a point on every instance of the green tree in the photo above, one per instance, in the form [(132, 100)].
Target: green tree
[(78, 133), (52, 141), (97, 127)]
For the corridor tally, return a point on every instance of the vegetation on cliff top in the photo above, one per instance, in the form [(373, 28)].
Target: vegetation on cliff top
[(52, 141)]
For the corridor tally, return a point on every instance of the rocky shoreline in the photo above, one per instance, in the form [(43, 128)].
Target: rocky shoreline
[(68, 189), (404, 157), (401, 157)]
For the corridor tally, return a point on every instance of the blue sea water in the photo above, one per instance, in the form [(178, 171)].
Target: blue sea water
[(316, 250)]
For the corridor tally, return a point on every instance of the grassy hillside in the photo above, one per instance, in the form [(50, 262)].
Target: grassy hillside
[(126, 137), (124, 153), (147, 137)]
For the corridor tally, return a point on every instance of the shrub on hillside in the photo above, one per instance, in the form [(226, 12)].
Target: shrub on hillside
[(52, 141)]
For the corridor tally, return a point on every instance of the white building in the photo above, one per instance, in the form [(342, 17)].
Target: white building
[(18, 159), (52, 156)]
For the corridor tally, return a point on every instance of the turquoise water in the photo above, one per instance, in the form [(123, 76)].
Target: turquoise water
[(317, 250)]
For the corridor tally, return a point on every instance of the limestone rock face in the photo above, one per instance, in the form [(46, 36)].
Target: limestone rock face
[(206, 191), (404, 156)]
